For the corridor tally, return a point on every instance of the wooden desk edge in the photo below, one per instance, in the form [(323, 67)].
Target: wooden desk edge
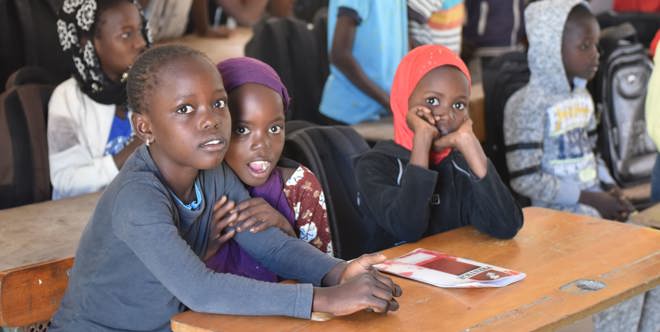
[(32, 294)]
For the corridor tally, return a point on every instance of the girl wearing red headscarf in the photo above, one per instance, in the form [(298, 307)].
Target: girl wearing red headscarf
[(434, 176)]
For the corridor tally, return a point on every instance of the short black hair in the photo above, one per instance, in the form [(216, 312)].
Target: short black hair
[(142, 78), (580, 12)]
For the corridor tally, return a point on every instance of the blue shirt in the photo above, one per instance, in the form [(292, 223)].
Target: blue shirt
[(120, 135), (381, 41)]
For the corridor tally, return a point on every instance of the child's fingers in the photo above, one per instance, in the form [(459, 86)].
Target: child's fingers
[(219, 210), (224, 222), (262, 226), (384, 280), (425, 114), (227, 236), (250, 203), (393, 305), (221, 202), (246, 223), (367, 260), (377, 304)]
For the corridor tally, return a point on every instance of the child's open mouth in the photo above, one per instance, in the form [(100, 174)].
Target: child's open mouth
[(259, 168), (213, 145)]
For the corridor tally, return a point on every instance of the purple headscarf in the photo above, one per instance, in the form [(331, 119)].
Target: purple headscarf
[(236, 72)]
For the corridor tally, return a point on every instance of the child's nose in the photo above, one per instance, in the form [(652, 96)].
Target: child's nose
[(210, 118), (260, 141), (140, 43)]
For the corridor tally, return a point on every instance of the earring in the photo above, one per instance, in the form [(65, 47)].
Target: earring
[(148, 142)]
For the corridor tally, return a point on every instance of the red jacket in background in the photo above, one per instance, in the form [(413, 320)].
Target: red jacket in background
[(648, 6)]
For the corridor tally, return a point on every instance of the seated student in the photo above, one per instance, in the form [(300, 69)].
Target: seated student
[(549, 130), (366, 40), (257, 102), (435, 176), (170, 19), (436, 22), (139, 258), (89, 132), (549, 124)]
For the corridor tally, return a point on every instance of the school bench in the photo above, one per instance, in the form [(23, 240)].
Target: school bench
[(37, 246), (383, 129), (560, 253)]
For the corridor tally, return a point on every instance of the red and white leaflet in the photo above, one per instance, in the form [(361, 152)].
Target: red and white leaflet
[(442, 270)]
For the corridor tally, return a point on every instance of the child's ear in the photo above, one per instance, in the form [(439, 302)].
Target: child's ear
[(142, 126)]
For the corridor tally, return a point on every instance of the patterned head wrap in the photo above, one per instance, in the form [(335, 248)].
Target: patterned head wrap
[(77, 20)]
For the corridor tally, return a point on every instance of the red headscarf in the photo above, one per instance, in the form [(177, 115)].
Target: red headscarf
[(411, 70)]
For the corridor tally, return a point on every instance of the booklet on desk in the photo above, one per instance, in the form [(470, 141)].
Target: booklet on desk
[(442, 270)]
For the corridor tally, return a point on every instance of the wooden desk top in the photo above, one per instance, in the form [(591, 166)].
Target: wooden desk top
[(384, 130), (218, 49), (38, 243), (649, 217), (555, 249)]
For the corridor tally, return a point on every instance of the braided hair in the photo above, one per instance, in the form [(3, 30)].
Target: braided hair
[(143, 75)]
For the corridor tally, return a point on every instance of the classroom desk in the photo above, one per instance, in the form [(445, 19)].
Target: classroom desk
[(649, 217), (555, 249), (384, 130), (37, 246), (217, 49)]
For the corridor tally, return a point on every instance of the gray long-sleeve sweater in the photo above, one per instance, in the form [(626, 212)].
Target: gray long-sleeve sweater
[(550, 127), (138, 262)]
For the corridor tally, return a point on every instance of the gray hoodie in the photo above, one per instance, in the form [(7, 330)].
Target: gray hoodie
[(549, 127)]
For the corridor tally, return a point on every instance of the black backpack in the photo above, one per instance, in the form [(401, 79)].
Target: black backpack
[(28, 35), (289, 46), (24, 172), (506, 75), (619, 90), (329, 151)]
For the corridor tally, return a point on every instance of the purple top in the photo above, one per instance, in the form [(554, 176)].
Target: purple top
[(230, 258)]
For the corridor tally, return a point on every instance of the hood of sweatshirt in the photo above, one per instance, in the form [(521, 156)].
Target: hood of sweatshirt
[(545, 21)]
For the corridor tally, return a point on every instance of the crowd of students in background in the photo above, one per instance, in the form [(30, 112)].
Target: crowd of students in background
[(199, 206)]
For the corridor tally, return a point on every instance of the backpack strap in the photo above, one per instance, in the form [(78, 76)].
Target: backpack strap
[(398, 177), (33, 105)]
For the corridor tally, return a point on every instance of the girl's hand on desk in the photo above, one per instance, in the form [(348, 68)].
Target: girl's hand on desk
[(368, 291), (224, 215), (256, 215), (361, 265)]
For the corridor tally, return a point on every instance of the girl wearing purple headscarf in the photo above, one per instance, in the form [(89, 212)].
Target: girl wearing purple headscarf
[(257, 102)]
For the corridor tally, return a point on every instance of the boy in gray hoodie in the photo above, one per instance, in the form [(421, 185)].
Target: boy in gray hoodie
[(549, 124), (550, 134)]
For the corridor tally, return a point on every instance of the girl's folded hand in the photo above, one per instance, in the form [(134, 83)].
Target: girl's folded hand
[(367, 291), (256, 215), (223, 216)]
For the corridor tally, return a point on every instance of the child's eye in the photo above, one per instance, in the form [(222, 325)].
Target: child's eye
[(184, 109), (242, 131), (276, 129), (219, 103), (125, 35), (433, 101), (458, 106), (585, 46)]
